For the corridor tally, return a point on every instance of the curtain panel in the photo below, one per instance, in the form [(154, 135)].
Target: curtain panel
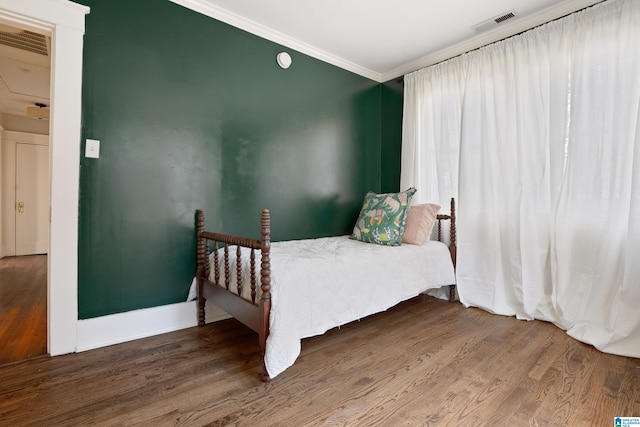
[(538, 138)]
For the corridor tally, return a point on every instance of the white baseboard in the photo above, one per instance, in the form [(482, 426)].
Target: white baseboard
[(132, 325)]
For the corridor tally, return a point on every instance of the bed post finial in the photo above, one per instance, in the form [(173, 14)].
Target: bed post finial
[(201, 258), (265, 285)]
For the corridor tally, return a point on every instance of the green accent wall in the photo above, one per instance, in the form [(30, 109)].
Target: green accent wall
[(193, 113), (392, 99)]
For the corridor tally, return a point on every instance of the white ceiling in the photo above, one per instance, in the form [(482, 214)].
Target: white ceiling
[(382, 39), (24, 76), (378, 39)]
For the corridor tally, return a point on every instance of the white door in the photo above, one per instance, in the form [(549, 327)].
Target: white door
[(32, 199)]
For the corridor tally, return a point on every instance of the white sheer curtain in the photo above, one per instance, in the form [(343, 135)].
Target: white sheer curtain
[(432, 158), (536, 136)]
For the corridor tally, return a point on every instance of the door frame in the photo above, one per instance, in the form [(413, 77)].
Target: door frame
[(64, 21)]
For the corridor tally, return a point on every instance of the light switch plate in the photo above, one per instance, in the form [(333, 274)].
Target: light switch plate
[(92, 149)]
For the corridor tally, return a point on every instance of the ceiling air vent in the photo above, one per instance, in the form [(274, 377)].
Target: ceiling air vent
[(25, 40), (490, 23)]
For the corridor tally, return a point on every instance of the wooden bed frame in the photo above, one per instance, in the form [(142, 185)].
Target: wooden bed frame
[(255, 314)]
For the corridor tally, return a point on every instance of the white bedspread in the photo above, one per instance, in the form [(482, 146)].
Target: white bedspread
[(319, 284)]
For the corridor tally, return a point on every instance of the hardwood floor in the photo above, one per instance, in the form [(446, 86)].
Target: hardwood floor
[(23, 307), (424, 362)]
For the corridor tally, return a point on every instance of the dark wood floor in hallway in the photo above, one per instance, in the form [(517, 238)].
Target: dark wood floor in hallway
[(423, 362), (23, 307)]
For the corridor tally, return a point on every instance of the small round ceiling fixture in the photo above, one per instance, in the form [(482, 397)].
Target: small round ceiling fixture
[(284, 60)]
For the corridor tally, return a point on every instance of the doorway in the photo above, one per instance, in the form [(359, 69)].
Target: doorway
[(64, 21), (25, 70), (25, 243)]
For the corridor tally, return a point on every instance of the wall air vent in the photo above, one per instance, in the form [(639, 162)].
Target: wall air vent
[(491, 23), (25, 40)]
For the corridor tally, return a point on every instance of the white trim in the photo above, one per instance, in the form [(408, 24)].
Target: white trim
[(64, 20), (206, 8), (518, 25), (499, 33), (44, 14), (26, 137), (132, 325)]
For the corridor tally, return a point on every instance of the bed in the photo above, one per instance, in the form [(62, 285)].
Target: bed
[(287, 291)]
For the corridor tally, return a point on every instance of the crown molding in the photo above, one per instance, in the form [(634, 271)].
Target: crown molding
[(518, 25), (233, 19), (501, 32)]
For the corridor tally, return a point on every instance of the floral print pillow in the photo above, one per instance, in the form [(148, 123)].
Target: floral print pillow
[(383, 217)]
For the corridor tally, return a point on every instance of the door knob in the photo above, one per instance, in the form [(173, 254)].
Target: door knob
[(20, 207)]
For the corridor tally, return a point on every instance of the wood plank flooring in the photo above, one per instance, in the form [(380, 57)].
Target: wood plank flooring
[(426, 362), (23, 307)]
